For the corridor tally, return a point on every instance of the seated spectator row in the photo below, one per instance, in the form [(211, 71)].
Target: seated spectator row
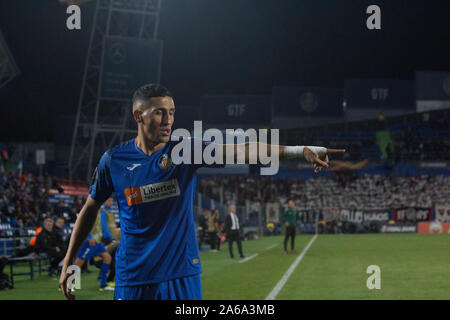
[(25, 201), (367, 191)]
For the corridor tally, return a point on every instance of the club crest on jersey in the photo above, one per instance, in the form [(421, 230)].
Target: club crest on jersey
[(164, 162)]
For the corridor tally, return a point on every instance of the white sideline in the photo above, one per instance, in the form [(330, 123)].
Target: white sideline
[(254, 255), (272, 246), (248, 258), (288, 273)]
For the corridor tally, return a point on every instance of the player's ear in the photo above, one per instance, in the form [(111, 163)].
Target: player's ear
[(137, 114)]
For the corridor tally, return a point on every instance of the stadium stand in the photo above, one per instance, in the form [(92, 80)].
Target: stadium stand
[(414, 137), (389, 179)]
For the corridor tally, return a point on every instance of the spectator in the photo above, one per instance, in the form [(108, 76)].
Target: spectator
[(46, 243), (78, 204), (212, 232), (58, 233), (216, 216), (73, 214), (60, 208)]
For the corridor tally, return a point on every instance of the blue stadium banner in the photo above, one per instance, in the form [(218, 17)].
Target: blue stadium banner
[(432, 91), (379, 94), (128, 64), (432, 85), (298, 101), (239, 110)]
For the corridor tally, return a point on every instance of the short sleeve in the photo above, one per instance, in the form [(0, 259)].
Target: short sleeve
[(101, 183)]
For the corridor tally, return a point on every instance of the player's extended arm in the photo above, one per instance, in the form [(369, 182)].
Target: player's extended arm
[(82, 228), (250, 150)]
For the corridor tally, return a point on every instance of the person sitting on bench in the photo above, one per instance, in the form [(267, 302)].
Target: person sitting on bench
[(47, 243)]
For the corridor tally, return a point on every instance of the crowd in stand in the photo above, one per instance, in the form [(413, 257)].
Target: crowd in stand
[(25, 201), (343, 191), (416, 137), (426, 139), (27, 205), (420, 137)]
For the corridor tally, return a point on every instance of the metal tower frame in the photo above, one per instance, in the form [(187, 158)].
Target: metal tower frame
[(8, 68), (102, 123)]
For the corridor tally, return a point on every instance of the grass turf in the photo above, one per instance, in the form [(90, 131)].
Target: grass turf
[(413, 266)]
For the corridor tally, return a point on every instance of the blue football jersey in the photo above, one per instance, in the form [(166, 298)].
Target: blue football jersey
[(155, 199)]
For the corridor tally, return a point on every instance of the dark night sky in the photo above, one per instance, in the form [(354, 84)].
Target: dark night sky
[(222, 46)]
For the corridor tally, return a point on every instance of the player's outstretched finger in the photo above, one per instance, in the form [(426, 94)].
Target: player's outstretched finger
[(330, 151), (320, 162)]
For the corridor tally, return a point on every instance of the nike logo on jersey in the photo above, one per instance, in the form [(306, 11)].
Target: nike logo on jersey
[(135, 165)]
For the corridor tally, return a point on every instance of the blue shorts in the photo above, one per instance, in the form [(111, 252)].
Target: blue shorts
[(186, 288), (87, 252)]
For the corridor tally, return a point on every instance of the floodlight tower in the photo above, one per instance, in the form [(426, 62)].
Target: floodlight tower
[(103, 122)]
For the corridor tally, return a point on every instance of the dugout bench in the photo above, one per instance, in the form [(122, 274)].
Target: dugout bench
[(36, 262)]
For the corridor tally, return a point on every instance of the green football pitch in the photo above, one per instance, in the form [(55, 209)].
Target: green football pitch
[(412, 266)]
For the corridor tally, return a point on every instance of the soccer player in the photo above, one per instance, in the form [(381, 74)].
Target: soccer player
[(105, 227), (158, 256), (105, 231), (90, 249)]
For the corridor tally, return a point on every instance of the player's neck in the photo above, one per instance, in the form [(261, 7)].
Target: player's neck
[(147, 146)]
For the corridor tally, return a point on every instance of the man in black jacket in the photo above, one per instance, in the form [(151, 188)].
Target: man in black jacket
[(58, 232), (46, 242), (233, 231)]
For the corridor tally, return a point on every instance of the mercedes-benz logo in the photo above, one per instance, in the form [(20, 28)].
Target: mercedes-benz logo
[(117, 53)]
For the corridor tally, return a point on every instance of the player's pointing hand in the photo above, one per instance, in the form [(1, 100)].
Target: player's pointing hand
[(319, 160)]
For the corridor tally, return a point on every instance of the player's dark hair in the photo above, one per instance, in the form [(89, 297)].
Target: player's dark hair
[(151, 90)]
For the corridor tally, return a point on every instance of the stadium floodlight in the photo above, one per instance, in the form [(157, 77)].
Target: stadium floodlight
[(8, 68), (104, 120)]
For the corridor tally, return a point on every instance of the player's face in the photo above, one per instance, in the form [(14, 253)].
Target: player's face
[(291, 204), (157, 119)]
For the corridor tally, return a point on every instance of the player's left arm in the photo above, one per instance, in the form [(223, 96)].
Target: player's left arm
[(250, 150)]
